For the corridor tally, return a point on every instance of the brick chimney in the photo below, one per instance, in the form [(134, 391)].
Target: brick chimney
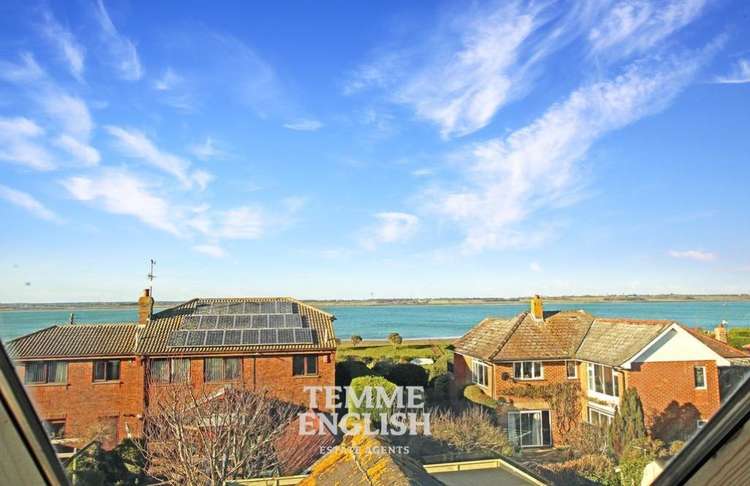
[(145, 307), (720, 332), (537, 308)]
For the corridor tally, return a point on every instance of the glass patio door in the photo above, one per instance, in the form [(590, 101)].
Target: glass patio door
[(529, 428)]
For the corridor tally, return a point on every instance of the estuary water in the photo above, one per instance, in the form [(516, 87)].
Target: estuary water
[(423, 321)]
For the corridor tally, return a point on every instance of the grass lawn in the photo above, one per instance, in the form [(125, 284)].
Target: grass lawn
[(377, 350), (738, 336)]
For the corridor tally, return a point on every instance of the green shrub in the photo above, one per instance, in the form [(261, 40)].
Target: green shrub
[(356, 340), (441, 388), (395, 338), (636, 456), (598, 468), (475, 394), (383, 367), (628, 424), (407, 374), (440, 366), (358, 385), (350, 369)]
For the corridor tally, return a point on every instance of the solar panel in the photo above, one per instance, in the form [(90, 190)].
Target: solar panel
[(196, 338), (190, 322), (232, 337), (267, 307), (251, 308), (275, 321), (177, 338), (250, 336), (225, 322), (267, 336), (292, 320), (214, 338), (243, 322), (236, 308), (260, 321), (208, 322), (284, 307), (285, 336), (303, 336)]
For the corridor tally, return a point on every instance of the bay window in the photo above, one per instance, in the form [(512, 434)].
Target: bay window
[(480, 373), (602, 379)]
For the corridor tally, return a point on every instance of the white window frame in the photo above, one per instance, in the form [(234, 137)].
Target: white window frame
[(477, 365), (601, 413), (591, 376), (575, 370), (695, 378), (534, 365)]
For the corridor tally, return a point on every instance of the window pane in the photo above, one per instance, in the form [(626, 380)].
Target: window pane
[(517, 370), (513, 424), (312, 365), (232, 367), (57, 372), (298, 365), (616, 384), (599, 378), (608, 387), (100, 370), (212, 369), (36, 372), (570, 368), (113, 370), (537, 369), (160, 370), (700, 377), (526, 369), (590, 369), (180, 370)]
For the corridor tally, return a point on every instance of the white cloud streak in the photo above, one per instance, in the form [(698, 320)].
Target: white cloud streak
[(634, 26), (695, 255), (70, 50), (214, 251), (740, 74), (136, 144), (304, 125), (390, 227), (537, 166), (20, 143), (207, 150), (121, 51), (82, 152), (27, 202)]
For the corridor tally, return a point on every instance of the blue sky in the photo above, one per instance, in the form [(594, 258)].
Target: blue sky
[(383, 149)]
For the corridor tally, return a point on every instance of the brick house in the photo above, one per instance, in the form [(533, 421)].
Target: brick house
[(676, 370), (96, 379)]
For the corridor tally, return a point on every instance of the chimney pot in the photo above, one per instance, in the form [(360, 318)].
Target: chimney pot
[(145, 307), (720, 332), (537, 308)]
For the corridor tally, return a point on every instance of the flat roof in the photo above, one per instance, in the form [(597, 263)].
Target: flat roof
[(481, 477)]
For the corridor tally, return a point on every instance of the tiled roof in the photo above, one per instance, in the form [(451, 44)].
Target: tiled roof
[(718, 347), (614, 341), (572, 335), (75, 341), (153, 340), (486, 338), (363, 459), (557, 336)]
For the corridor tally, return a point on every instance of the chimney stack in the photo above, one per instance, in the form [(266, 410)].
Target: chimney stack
[(720, 332), (537, 308), (145, 307)]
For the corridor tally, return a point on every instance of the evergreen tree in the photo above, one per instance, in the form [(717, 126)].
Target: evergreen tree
[(628, 424)]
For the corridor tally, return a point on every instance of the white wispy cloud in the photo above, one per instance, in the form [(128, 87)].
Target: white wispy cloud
[(485, 58), (243, 223), (20, 143), (422, 172), (634, 26), (538, 166), (739, 74), (697, 255), (211, 250), (26, 71), (389, 227), (122, 53), (207, 150), (70, 111), (304, 125), (120, 192), (70, 50), (535, 267), (168, 81), (82, 152), (27, 202), (136, 144)]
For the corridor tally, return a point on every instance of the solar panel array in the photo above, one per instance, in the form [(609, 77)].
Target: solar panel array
[(242, 323)]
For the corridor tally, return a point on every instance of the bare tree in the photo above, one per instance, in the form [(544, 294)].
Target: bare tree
[(203, 437)]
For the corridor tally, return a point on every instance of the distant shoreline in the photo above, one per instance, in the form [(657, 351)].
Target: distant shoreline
[(583, 299)]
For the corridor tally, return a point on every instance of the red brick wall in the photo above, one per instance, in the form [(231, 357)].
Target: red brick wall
[(273, 373), (554, 372), (461, 372), (670, 399), (84, 405)]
